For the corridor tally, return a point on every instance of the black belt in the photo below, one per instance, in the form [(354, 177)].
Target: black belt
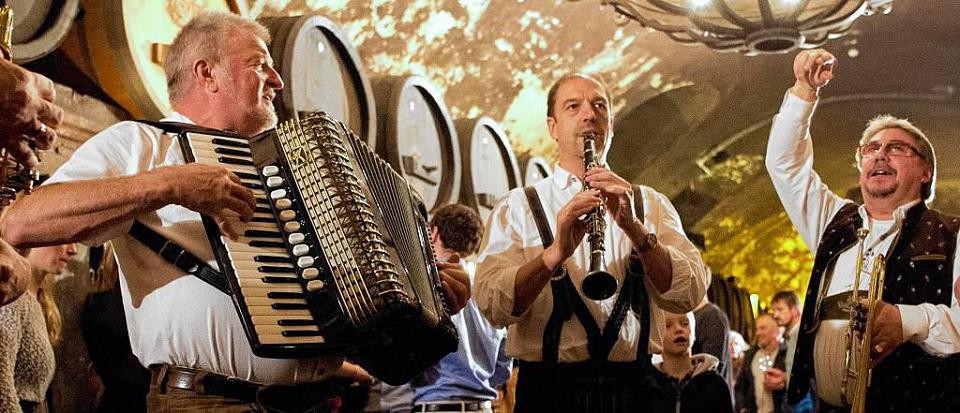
[(165, 376), (452, 406)]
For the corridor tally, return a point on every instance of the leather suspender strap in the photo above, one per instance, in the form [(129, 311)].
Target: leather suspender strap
[(179, 257), (565, 297)]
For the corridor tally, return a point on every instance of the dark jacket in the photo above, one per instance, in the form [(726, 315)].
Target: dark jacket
[(703, 390), (744, 390)]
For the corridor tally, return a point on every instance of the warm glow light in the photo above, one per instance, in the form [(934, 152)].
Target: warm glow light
[(755, 304)]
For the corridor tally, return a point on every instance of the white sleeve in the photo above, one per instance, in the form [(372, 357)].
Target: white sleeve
[(124, 149), (501, 255), (690, 276), (935, 327), (809, 204)]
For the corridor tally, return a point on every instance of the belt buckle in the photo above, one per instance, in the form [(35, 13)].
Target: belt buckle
[(185, 380)]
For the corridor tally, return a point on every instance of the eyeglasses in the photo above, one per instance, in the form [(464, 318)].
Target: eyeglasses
[(894, 148)]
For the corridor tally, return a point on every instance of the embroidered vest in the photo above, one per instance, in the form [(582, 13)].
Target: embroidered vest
[(919, 270)]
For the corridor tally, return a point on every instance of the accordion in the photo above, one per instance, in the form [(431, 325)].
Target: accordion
[(337, 259)]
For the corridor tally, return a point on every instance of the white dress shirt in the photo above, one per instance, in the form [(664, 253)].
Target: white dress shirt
[(811, 206), (512, 239), (173, 317)]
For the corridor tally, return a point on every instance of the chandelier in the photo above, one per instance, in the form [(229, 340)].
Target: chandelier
[(749, 26)]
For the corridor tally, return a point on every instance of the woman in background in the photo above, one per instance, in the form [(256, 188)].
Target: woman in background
[(28, 329)]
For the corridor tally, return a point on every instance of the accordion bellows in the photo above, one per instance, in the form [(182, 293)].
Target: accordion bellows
[(337, 259)]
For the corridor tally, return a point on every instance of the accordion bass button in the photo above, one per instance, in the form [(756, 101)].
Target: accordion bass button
[(287, 214), (284, 203), (274, 181), (300, 250), (315, 285), (278, 194), (310, 273), (270, 170), (296, 238), (291, 226), (304, 262)]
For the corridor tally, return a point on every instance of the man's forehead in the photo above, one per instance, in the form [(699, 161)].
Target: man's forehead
[(893, 134), (576, 87)]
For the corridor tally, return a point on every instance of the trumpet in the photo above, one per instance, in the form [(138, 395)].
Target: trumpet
[(599, 284), (857, 360)]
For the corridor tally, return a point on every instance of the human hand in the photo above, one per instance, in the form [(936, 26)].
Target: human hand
[(813, 69), (887, 331), (570, 227), (353, 372), (774, 379), (14, 273), (210, 190), (27, 111), (456, 283), (618, 195)]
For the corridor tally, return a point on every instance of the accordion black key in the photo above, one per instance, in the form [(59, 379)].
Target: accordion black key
[(337, 259)]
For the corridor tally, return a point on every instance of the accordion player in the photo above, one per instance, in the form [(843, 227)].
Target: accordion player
[(337, 258)]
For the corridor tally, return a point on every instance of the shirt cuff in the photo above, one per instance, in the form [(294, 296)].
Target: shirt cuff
[(916, 327)]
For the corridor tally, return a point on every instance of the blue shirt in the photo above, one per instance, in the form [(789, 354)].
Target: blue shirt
[(476, 369)]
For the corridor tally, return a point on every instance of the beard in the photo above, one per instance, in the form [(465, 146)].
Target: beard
[(883, 191)]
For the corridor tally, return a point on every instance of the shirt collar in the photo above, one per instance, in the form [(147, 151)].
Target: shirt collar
[(898, 214), (178, 117), (562, 178)]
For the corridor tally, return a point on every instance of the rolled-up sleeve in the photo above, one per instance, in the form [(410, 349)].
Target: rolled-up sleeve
[(690, 275), (501, 255)]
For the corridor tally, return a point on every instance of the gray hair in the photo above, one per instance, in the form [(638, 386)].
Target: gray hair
[(924, 147), (203, 38)]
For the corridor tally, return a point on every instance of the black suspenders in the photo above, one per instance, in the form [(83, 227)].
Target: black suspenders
[(567, 301)]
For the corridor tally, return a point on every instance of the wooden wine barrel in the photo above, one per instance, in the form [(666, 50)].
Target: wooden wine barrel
[(535, 168), (39, 26), (417, 136), (322, 71), (489, 166), (127, 40)]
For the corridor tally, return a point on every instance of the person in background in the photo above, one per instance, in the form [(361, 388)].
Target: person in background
[(753, 393), (29, 327), (688, 383), (713, 337), (465, 380)]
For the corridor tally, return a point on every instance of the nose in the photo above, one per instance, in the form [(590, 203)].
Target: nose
[(273, 79), (71, 249), (588, 112)]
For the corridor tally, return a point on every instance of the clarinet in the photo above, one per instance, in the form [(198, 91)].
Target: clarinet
[(598, 284)]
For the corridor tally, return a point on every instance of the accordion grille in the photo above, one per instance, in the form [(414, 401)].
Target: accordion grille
[(365, 219)]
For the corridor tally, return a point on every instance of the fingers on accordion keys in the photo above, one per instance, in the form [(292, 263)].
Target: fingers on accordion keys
[(230, 224)]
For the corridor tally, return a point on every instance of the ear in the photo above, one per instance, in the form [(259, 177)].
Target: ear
[(434, 234), (203, 74), (552, 127)]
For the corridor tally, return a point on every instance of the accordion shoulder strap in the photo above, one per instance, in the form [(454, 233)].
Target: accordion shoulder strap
[(178, 256), (178, 127)]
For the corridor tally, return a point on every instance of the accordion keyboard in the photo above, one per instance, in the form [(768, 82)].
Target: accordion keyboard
[(263, 265)]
